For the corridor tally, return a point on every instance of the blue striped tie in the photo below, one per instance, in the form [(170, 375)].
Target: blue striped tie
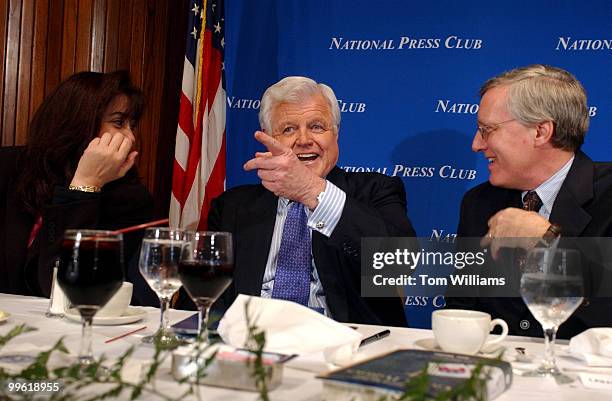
[(292, 280)]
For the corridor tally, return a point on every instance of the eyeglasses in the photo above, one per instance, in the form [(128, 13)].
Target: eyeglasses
[(487, 129)]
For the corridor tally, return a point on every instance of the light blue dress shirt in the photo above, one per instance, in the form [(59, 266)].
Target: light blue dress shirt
[(549, 189)]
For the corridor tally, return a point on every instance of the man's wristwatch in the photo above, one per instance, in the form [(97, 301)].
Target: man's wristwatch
[(553, 232)]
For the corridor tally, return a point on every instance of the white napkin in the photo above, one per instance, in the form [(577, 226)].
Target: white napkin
[(290, 329), (594, 346), (58, 298)]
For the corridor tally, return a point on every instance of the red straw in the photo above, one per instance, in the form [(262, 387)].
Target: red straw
[(141, 226), (110, 340)]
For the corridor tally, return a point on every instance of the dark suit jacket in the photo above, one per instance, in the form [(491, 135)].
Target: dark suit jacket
[(29, 271), (583, 208), (375, 207)]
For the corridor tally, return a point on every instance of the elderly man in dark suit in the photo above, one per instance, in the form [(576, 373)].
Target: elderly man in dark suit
[(531, 125), (297, 235)]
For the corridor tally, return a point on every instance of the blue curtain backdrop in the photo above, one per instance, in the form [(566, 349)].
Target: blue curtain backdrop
[(407, 75)]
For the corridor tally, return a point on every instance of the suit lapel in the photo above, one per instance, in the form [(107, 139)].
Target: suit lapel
[(257, 222), (577, 190)]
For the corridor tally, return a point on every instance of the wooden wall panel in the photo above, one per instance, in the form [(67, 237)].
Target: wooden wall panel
[(155, 34), (113, 9), (69, 35), (124, 39), (45, 41), (25, 66), (83, 35), (3, 29), (98, 35), (176, 26), (138, 39), (11, 66), (54, 44), (39, 56)]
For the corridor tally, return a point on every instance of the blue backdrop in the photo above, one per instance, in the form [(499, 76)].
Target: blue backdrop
[(407, 76)]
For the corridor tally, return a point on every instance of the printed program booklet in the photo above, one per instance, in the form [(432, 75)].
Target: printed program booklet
[(386, 375)]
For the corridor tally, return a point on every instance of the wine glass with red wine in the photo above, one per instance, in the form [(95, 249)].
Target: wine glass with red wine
[(206, 270), (90, 273)]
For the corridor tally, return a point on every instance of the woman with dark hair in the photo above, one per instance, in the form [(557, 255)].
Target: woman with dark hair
[(76, 171)]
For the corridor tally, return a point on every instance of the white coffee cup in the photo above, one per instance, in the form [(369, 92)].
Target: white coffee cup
[(465, 331), (119, 303)]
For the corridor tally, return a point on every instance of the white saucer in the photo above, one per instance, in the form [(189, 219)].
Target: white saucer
[(4, 316), (131, 315), (430, 344)]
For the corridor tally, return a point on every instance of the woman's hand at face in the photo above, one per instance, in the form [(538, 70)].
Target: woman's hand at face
[(106, 159)]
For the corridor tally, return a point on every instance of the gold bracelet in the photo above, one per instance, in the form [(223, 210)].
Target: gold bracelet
[(84, 188)]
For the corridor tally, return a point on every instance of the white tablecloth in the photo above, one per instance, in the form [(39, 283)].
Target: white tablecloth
[(297, 384)]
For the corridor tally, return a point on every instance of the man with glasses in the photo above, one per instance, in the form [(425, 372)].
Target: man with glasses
[(531, 124)]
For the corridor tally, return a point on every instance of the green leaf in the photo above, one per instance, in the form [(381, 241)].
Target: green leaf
[(136, 393), (255, 343), (14, 332)]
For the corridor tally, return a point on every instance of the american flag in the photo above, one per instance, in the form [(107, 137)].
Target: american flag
[(199, 157)]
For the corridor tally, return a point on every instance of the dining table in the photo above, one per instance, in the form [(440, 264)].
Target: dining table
[(299, 381)]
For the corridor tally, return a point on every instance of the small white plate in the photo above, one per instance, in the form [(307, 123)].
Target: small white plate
[(4, 316), (430, 344), (131, 315)]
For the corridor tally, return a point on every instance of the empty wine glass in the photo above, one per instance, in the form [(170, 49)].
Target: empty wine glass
[(158, 264), (206, 270), (90, 272), (552, 287)]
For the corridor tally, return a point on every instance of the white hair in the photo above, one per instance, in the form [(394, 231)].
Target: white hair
[(295, 90)]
